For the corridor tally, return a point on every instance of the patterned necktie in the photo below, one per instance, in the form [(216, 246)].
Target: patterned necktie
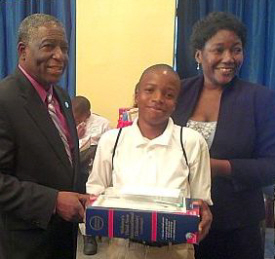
[(57, 123)]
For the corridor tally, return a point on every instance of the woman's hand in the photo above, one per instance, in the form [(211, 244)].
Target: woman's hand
[(220, 167)]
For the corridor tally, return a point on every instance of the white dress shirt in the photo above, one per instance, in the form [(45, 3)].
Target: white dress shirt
[(159, 162), (95, 126)]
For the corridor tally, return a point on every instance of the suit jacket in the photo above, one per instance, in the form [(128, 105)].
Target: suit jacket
[(245, 135), (33, 162)]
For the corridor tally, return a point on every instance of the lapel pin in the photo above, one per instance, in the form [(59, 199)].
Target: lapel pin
[(66, 104)]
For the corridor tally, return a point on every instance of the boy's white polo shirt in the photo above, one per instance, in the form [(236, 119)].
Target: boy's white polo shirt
[(159, 162)]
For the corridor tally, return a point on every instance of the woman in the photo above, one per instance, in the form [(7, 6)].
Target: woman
[(141, 159), (237, 119)]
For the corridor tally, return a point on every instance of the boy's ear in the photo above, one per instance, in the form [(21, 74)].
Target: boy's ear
[(136, 98), (136, 94)]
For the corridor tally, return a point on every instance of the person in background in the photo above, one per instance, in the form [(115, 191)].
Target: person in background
[(237, 119), (90, 127), (141, 156), (40, 206)]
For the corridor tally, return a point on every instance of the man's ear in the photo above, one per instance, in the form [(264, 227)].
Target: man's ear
[(198, 56), (21, 49)]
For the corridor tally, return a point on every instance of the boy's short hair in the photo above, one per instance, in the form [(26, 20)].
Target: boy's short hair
[(81, 105)]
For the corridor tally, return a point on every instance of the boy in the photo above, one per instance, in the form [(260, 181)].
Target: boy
[(149, 153)]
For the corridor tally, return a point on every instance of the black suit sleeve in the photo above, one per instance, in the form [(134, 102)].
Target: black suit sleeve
[(25, 200)]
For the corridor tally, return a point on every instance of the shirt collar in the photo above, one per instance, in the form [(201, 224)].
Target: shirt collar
[(38, 87), (163, 139)]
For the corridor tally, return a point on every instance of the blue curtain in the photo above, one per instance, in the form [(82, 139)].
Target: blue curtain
[(12, 12), (259, 18)]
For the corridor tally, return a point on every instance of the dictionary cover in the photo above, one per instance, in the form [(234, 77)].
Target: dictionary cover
[(156, 215)]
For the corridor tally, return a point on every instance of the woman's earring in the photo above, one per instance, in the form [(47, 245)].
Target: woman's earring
[(198, 66)]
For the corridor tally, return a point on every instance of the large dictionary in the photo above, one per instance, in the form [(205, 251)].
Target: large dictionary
[(145, 215)]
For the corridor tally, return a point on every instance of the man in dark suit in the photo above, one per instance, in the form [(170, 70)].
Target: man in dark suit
[(39, 203)]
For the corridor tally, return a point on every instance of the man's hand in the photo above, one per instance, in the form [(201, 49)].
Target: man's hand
[(206, 219), (71, 206), (84, 199)]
